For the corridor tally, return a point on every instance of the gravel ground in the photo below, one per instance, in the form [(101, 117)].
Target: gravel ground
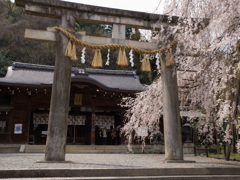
[(107, 161)]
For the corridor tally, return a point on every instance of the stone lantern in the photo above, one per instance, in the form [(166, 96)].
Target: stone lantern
[(187, 131)]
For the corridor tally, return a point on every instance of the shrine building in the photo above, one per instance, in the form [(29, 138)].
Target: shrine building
[(25, 95)]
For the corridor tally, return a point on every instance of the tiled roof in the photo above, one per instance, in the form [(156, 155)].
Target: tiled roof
[(24, 74)]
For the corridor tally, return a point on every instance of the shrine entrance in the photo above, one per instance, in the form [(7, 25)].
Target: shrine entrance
[(68, 13), (76, 134)]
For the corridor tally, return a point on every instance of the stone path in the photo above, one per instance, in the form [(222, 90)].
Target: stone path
[(107, 161)]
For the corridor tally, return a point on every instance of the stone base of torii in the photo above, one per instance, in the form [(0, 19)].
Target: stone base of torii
[(68, 13)]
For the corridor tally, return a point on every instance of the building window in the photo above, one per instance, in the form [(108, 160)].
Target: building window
[(3, 126)]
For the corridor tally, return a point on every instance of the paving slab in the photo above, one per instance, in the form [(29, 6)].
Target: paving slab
[(23, 161), (227, 177)]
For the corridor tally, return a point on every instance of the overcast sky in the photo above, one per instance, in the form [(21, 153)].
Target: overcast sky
[(135, 5)]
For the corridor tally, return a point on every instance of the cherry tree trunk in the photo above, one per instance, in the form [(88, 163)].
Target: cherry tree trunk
[(233, 141)]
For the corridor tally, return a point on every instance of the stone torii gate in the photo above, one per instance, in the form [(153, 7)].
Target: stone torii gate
[(68, 13)]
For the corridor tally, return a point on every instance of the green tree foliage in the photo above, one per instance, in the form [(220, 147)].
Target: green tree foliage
[(94, 29), (5, 61), (13, 22)]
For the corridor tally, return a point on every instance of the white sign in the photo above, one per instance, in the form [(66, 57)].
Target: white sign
[(18, 129), (44, 132)]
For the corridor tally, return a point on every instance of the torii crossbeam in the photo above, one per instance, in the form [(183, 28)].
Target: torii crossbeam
[(68, 13)]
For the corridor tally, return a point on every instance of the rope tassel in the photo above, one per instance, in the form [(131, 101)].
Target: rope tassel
[(122, 58), (73, 56), (97, 59), (146, 64), (170, 60), (71, 51), (119, 57)]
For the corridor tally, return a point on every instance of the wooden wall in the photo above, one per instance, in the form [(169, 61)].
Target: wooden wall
[(40, 100), (24, 105), (20, 115), (5, 137)]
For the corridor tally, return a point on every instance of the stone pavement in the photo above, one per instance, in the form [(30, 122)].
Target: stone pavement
[(107, 161)]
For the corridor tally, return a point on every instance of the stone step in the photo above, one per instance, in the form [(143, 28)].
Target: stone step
[(79, 149), (89, 149), (196, 177), (35, 149), (82, 149), (9, 148), (225, 172)]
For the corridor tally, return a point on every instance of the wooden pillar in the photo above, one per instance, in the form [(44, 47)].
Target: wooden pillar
[(57, 126), (29, 117), (74, 133), (122, 124), (10, 121), (93, 121)]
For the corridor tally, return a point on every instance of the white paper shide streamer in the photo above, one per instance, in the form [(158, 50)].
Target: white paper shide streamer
[(108, 58), (131, 58), (157, 61), (83, 55)]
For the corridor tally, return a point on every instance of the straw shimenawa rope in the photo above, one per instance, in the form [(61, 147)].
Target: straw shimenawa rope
[(113, 46)]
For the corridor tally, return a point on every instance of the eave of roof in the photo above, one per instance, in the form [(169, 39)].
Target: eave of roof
[(33, 75)]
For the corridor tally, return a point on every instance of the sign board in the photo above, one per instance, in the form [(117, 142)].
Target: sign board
[(44, 132), (78, 99), (18, 129)]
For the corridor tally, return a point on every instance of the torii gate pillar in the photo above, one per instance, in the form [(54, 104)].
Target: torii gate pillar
[(57, 125), (171, 113)]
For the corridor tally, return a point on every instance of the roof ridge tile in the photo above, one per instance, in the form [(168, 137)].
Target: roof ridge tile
[(20, 65)]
